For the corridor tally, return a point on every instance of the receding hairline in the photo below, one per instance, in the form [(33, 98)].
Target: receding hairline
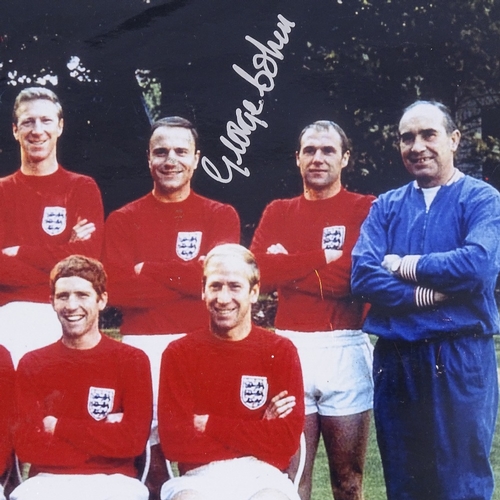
[(234, 252), (448, 121), (325, 126), (175, 122)]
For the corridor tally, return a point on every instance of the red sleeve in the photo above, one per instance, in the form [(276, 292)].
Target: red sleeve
[(279, 269), (31, 442), (14, 272), (276, 440), (85, 203), (121, 439), (186, 277), (330, 281), (7, 409), (158, 280), (176, 409), (125, 287), (306, 272)]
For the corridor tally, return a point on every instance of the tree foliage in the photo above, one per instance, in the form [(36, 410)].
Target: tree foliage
[(384, 55), (118, 65)]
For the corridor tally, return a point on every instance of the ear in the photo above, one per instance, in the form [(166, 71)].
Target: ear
[(297, 158), (60, 126), (455, 140), (103, 300), (197, 158), (345, 159), (15, 131), (254, 294)]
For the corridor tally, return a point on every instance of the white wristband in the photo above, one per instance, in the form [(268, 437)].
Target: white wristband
[(424, 297), (408, 268)]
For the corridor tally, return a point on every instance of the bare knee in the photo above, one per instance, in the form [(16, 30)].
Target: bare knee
[(348, 485)]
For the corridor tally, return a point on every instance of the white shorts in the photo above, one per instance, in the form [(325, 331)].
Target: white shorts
[(153, 346), (80, 487), (236, 479), (337, 371), (26, 326)]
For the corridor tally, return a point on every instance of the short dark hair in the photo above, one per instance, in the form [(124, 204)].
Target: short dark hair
[(175, 121), (448, 121), (234, 250), (321, 125), (83, 267), (33, 94)]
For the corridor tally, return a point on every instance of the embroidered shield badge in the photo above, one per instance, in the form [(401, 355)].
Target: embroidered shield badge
[(333, 238), (100, 402), (54, 220), (253, 391), (188, 244)]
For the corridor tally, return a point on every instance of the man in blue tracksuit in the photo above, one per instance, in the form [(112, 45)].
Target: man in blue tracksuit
[(427, 260)]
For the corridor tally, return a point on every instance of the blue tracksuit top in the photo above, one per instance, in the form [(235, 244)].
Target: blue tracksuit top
[(459, 240)]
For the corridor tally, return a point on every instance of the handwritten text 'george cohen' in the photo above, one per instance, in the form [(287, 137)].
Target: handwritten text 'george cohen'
[(238, 133)]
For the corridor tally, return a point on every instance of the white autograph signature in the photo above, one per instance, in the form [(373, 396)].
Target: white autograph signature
[(238, 134)]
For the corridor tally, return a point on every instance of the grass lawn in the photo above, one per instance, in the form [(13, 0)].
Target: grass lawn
[(374, 487)]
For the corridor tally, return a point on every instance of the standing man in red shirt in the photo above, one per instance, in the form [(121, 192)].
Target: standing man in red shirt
[(84, 402), (46, 214), (231, 399), (153, 248), (304, 248)]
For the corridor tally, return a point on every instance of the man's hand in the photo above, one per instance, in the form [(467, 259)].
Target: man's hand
[(82, 230), (277, 248), (138, 268), (49, 424), (332, 255), (280, 406), (114, 418), (391, 263), (439, 297), (10, 251), (200, 422)]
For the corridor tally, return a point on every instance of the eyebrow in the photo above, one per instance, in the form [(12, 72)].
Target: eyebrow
[(421, 132)]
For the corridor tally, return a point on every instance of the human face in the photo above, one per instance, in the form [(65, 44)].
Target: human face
[(229, 297), (77, 306), (320, 161), (37, 129), (426, 148), (172, 161)]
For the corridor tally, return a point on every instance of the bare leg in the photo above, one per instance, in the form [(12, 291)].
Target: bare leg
[(346, 440), (157, 472), (311, 433)]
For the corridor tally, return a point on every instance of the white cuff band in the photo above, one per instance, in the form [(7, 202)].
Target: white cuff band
[(424, 297), (408, 268)]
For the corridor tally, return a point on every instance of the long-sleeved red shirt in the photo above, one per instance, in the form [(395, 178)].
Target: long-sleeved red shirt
[(7, 408), (313, 295), (232, 382), (80, 388), (169, 238), (37, 213)]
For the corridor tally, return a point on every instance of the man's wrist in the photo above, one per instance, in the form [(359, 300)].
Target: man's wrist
[(407, 268)]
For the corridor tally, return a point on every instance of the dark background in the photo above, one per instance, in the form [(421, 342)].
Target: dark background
[(353, 62)]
